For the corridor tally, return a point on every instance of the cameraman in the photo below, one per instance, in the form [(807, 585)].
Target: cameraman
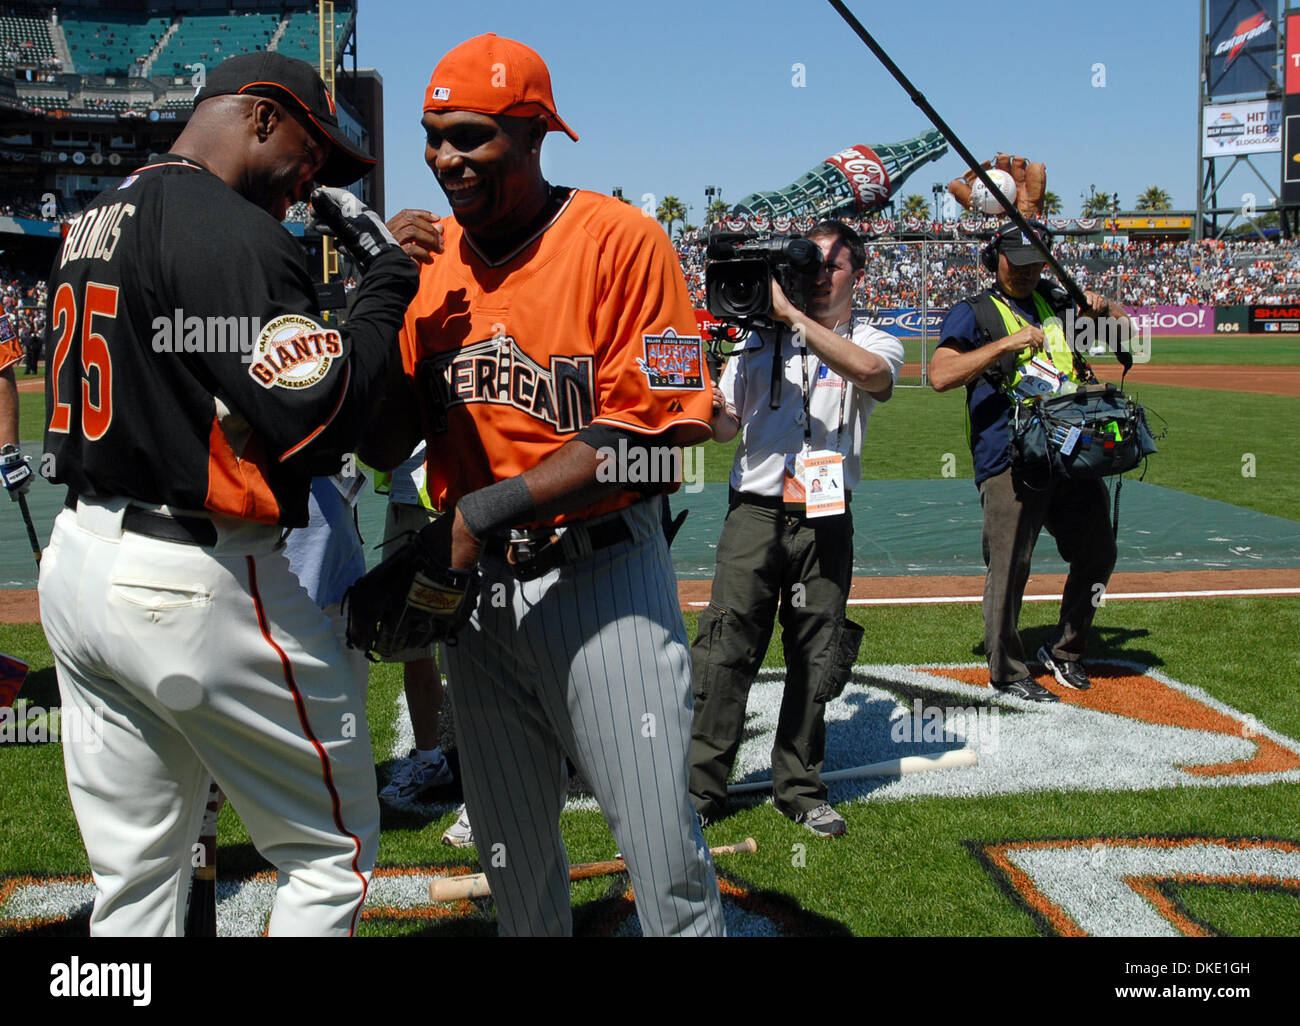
[(986, 343), (816, 395)]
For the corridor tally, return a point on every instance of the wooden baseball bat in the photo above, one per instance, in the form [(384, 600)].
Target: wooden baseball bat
[(31, 529), (456, 888), (954, 759), (201, 916)]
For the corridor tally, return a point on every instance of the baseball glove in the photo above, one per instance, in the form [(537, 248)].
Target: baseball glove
[(410, 600), (1030, 178)]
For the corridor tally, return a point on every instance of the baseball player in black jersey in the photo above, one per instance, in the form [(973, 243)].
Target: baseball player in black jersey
[(193, 391)]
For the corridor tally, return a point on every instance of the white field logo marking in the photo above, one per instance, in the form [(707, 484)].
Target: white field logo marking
[(1123, 887)]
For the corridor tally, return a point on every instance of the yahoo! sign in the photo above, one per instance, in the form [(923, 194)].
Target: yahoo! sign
[(1173, 320)]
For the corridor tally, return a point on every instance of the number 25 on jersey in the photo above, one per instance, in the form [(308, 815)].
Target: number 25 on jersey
[(99, 301)]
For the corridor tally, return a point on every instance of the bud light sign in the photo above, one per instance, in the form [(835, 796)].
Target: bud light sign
[(903, 322)]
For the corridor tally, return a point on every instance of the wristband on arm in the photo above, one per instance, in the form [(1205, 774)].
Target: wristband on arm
[(497, 507)]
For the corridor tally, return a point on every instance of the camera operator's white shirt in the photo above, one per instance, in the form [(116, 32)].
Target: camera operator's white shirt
[(768, 435)]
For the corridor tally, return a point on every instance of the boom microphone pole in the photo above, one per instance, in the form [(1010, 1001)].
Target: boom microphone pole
[(1067, 282)]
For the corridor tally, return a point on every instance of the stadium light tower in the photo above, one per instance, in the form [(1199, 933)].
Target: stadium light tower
[(711, 193), (937, 189)]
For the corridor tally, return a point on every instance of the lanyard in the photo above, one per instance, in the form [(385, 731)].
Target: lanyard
[(844, 389)]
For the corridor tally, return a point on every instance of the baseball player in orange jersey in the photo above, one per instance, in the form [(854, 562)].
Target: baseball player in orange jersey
[(552, 329)]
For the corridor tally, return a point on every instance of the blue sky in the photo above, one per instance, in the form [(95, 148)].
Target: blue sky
[(670, 97)]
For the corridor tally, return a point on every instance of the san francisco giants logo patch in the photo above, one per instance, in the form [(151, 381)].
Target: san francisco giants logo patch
[(293, 351), (673, 361)]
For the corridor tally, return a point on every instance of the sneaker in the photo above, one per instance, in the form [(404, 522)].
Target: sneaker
[(824, 821), (1028, 689), (1067, 672), (459, 834), (414, 778)]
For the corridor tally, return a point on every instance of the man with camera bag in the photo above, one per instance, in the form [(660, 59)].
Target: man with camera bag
[(1005, 344), (800, 393)]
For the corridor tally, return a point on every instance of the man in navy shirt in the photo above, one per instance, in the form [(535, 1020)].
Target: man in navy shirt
[(986, 344)]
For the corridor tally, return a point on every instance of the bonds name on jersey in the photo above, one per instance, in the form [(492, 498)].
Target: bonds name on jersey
[(188, 362), (588, 322)]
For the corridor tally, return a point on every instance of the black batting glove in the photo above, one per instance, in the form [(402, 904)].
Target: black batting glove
[(356, 228)]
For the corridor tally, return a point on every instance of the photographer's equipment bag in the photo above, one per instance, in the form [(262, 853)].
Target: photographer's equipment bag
[(1092, 433)]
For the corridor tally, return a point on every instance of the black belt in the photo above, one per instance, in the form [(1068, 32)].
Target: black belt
[(776, 502), (531, 556), (163, 526)]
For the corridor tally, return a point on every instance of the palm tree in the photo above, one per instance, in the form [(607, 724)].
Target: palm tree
[(916, 205), (1051, 203), (1155, 198), (670, 211), (718, 209), (1098, 204)]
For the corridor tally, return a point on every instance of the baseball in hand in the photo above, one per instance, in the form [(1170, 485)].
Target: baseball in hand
[(984, 201)]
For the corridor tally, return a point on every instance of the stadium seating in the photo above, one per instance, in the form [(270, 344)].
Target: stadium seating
[(302, 35), (211, 38), (115, 47), (25, 41), (46, 102)]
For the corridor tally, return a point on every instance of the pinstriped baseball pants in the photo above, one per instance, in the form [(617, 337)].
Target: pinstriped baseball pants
[(589, 660)]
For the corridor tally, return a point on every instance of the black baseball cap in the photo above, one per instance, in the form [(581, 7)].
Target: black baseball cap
[(1012, 243), (296, 85)]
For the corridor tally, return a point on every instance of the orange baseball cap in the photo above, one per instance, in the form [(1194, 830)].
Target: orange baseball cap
[(490, 74)]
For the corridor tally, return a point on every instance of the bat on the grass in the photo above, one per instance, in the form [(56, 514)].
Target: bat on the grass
[(456, 888), (201, 918), (889, 768)]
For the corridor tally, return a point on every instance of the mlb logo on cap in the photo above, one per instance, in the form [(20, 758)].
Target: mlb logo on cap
[(442, 93)]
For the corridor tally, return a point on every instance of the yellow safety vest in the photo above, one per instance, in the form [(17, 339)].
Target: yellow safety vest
[(1057, 348)]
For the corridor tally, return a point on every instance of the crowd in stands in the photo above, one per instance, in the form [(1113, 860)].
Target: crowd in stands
[(1210, 273), (22, 297)]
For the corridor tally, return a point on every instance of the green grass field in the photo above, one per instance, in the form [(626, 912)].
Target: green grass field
[(907, 866), (879, 880)]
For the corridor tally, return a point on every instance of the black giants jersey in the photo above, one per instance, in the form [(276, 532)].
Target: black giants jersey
[(188, 362)]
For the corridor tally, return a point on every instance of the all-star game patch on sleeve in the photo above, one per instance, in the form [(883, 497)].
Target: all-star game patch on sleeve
[(11, 349), (651, 373)]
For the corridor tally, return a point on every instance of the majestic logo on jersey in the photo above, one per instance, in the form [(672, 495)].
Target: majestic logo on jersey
[(673, 361), (499, 372), (293, 351)]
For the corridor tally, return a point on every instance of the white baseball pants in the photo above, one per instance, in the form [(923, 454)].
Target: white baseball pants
[(206, 661)]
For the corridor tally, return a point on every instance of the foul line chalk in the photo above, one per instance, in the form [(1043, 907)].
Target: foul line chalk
[(931, 600)]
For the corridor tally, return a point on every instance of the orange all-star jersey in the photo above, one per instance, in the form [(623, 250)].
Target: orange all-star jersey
[(587, 322)]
